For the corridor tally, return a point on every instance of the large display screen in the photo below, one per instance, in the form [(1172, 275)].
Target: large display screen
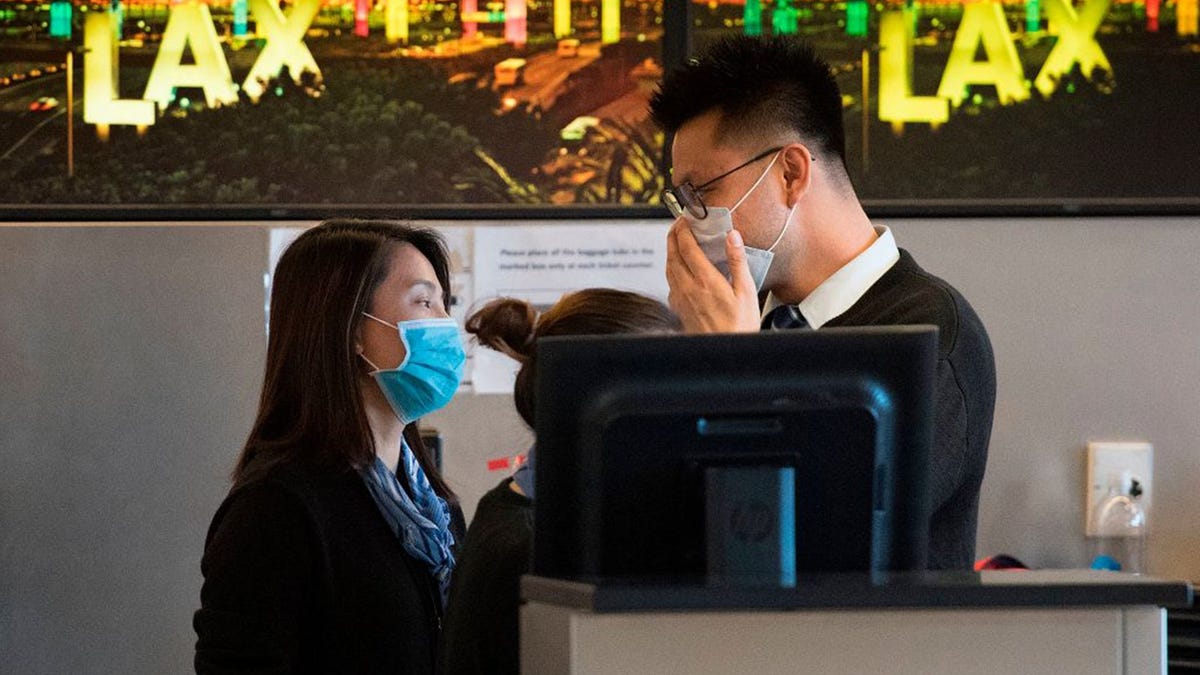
[(544, 102)]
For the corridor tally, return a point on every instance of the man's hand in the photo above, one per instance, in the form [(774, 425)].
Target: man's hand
[(706, 301)]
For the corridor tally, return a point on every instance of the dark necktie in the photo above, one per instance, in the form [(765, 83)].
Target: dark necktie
[(784, 317)]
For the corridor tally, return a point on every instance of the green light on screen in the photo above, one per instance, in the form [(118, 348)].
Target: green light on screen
[(60, 19), (752, 17), (783, 19), (856, 18)]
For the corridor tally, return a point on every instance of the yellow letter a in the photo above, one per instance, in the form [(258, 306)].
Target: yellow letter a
[(984, 21), (190, 24)]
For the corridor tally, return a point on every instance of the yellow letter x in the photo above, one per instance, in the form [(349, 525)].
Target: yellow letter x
[(285, 43), (1076, 42)]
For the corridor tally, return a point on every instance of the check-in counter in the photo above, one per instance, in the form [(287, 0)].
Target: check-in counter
[(1053, 622)]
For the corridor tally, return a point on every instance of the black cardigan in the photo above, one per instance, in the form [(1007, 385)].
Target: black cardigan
[(303, 575), (966, 396), (481, 636)]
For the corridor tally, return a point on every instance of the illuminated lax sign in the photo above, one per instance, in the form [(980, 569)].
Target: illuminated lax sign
[(983, 24), (191, 25)]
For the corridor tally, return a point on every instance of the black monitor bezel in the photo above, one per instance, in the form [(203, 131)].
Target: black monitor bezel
[(578, 378)]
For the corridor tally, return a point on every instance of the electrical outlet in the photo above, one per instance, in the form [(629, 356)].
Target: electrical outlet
[(1107, 458)]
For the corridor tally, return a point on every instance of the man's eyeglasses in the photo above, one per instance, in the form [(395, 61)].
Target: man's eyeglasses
[(686, 197)]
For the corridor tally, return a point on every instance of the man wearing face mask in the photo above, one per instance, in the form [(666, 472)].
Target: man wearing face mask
[(763, 204)]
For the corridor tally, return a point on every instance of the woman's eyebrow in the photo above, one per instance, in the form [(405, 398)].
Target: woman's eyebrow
[(422, 283)]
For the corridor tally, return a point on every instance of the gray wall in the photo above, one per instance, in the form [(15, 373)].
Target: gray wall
[(1096, 329), (130, 360)]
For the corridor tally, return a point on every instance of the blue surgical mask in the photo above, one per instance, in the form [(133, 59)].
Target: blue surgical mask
[(710, 233), (431, 371)]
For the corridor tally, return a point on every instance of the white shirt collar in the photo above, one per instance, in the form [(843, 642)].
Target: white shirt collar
[(846, 286)]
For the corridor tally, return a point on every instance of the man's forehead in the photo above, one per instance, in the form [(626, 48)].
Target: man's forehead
[(699, 160), (696, 148)]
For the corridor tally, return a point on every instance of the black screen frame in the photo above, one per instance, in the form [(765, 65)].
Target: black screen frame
[(677, 48), (583, 382)]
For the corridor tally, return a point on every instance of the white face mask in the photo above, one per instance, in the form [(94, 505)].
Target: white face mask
[(710, 233)]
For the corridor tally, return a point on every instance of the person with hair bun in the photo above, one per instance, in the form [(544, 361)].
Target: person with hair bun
[(481, 617)]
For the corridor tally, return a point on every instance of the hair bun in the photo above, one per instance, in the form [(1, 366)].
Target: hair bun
[(505, 325)]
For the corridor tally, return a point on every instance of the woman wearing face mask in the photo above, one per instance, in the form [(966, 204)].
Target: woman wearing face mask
[(481, 620), (333, 551)]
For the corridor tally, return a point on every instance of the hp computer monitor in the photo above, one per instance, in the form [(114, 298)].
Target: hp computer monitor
[(749, 457)]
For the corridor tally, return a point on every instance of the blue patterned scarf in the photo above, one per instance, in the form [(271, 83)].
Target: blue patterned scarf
[(422, 522), (524, 475)]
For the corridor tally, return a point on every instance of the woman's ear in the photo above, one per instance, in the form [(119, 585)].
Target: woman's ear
[(361, 364), (357, 340), (797, 171)]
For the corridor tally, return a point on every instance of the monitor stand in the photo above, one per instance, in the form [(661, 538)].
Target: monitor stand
[(750, 525)]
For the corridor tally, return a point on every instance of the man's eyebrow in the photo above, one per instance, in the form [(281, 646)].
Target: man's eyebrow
[(687, 178)]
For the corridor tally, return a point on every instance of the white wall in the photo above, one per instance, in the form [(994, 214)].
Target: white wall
[(130, 360)]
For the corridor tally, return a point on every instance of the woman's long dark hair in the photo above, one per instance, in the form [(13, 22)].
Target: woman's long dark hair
[(311, 407)]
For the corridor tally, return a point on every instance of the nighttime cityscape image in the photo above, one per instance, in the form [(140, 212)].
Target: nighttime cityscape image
[(543, 102)]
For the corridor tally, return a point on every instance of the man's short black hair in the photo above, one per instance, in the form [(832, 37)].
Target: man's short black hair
[(759, 85)]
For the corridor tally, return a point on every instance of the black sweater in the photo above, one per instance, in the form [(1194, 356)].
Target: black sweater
[(966, 396), (303, 575), (480, 637)]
